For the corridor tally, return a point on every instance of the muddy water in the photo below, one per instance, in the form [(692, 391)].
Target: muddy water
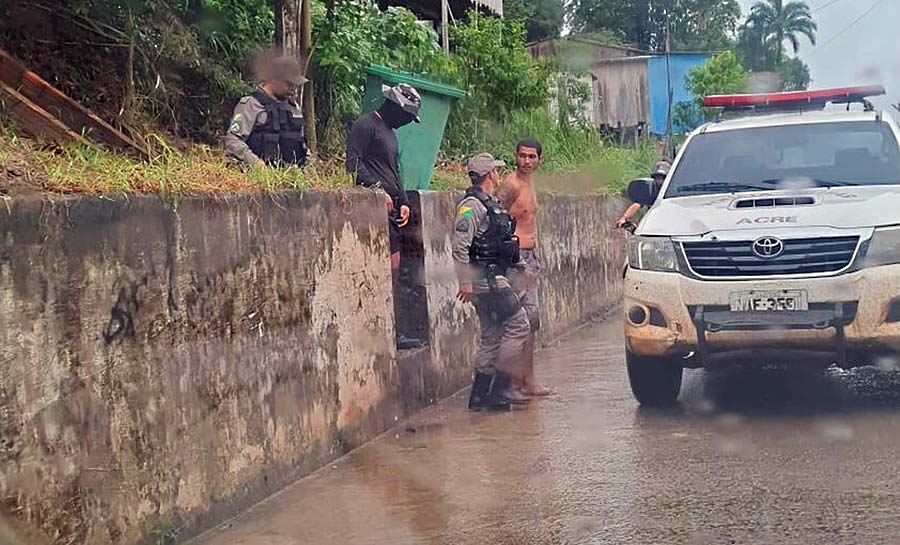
[(761, 456)]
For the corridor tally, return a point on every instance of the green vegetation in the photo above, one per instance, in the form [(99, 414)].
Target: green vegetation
[(161, 533), (770, 24), (81, 169), (353, 36), (761, 40), (179, 67), (722, 75), (696, 25), (794, 75), (542, 18)]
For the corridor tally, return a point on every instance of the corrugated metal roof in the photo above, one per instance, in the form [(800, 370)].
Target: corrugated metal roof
[(641, 58)]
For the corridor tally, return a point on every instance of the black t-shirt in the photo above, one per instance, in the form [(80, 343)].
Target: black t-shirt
[(372, 155)]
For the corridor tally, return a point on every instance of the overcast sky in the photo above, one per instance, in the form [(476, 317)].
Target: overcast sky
[(867, 52)]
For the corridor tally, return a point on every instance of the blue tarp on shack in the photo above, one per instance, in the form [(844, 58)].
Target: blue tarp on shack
[(680, 65)]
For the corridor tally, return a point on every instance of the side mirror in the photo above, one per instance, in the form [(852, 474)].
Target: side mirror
[(641, 191)]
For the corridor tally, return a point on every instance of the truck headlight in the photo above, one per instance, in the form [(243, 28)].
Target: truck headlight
[(884, 249), (652, 254)]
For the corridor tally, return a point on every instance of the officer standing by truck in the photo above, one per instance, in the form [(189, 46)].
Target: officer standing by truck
[(267, 127), (484, 249), (660, 171)]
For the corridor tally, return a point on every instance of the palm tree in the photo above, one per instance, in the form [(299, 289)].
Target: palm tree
[(774, 21)]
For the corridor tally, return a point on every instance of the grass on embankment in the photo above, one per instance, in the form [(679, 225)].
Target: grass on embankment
[(82, 169), (577, 159), (575, 165)]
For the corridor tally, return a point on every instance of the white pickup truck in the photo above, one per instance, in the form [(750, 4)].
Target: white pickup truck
[(774, 239)]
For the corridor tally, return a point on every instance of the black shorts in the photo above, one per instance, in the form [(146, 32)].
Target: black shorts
[(394, 236)]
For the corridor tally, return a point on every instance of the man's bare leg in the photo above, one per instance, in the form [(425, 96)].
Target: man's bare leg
[(530, 384), (395, 263)]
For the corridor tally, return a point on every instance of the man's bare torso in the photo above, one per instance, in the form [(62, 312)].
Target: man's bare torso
[(519, 199)]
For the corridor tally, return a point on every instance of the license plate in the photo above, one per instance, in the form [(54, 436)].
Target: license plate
[(763, 301)]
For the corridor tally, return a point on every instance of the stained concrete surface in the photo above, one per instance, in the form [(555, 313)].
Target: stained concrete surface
[(165, 367), (760, 456)]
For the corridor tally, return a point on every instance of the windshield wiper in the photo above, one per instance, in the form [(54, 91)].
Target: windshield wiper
[(730, 187), (819, 183)]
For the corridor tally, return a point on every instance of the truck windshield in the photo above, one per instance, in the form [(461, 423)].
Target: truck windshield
[(820, 154)]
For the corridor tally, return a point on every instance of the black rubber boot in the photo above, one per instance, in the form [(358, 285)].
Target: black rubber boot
[(481, 388)]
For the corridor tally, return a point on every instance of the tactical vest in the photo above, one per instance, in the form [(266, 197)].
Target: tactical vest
[(280, 139), (497, 247)]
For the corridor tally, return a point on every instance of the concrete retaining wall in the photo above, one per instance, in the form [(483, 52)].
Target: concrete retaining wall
[(582, 260), (161, 370)]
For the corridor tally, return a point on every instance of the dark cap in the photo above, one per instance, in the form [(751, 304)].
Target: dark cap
[(661, 169), (483, 163), (404, 96)]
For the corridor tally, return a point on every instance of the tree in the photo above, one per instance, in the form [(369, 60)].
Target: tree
[(542, 18), (794, 75), (721, 75), (293, 36), (773, 22), (702, 25)]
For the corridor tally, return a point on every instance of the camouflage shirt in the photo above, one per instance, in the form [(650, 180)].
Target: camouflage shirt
[(248, 114), (471, 220)]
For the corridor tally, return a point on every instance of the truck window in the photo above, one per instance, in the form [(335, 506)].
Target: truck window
[(841, 153)]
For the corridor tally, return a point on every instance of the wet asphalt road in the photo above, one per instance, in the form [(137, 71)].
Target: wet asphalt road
[(762, 456)]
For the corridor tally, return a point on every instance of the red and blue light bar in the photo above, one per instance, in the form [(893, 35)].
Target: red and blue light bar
[(820, 97)]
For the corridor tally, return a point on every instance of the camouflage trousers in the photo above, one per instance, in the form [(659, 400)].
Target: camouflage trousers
[(504, 332)]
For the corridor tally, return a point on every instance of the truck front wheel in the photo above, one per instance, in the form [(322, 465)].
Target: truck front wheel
[(655, 382)]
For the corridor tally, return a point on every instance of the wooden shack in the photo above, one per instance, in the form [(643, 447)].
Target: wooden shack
[(621, 96)]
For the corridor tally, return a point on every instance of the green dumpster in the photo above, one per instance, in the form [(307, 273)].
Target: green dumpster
[(419, 142)]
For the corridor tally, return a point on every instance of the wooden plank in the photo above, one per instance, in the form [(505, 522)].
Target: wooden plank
[(35, 120), (72, 114)]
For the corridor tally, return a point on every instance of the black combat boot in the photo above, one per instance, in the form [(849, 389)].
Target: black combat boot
[(481, 388), (483, 397), (502, 390)]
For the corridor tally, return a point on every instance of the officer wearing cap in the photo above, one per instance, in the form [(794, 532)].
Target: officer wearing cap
[(373, 153), (267, 127), (660, 171), (373, 158), (484, 250)]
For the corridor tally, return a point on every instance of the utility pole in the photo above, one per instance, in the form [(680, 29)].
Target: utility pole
[(669, 91), (445, 26), (308, 95), (293, 36)]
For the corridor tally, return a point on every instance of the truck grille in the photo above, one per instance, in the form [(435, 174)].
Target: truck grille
[(799, 256)]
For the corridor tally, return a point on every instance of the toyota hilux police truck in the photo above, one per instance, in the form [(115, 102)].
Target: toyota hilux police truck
[(774, 239)]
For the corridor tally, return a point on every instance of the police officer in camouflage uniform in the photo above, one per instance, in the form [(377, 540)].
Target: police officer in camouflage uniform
[(267, 127), (484, 250)]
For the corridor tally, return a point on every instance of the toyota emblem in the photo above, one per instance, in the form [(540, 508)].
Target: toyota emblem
[(768, 247)]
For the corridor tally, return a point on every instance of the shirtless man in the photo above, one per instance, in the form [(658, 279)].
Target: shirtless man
[(518, 196)]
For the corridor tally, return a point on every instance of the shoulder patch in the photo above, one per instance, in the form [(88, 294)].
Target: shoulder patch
[(466, 211), (463, 226)]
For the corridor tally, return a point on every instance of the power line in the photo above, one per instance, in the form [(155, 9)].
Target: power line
[(823, 6), (844, 31)]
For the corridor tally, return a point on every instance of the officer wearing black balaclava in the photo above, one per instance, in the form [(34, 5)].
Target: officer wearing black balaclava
[(373, 156), (267, 127)]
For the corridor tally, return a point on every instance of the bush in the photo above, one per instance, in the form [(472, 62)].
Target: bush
[(356, 35), (721, 75), (576, 158)]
